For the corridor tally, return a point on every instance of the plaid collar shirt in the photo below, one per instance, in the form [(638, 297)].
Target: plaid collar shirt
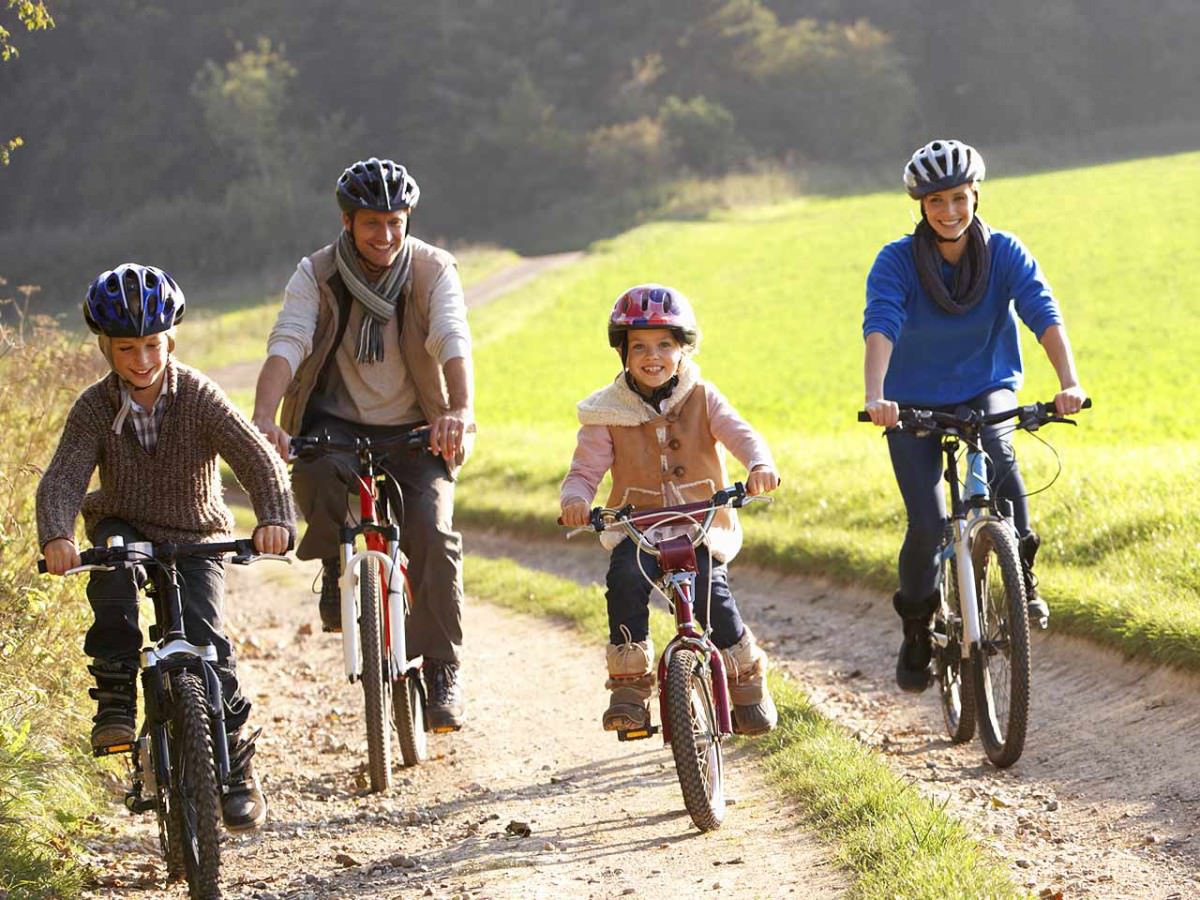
[(147, 422)]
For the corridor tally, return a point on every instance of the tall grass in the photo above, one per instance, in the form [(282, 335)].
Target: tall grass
[(779, 293), (45, 786)]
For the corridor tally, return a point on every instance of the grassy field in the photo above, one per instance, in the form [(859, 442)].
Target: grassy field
[(779, 293), (895, 842)]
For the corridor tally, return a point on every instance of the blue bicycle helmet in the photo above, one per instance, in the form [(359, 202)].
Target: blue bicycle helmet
[(377, 184), (133, 300), (940, 165)]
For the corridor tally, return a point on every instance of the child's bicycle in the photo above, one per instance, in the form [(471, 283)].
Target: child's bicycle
[(981, 627), (373, 639), (693, 696), (179, 764)]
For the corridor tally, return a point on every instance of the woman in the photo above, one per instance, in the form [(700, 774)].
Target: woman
[(941, 331)]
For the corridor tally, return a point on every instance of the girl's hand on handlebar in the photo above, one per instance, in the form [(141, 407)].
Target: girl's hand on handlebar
[(884, 413), (1069, 400), (61, 554), (575, 513), (762, 480), (271, 539)]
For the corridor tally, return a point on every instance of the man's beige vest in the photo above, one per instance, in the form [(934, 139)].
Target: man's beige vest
[(428, 263)]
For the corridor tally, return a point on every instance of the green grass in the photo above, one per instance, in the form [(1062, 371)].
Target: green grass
[(896, 842), (779, 294)]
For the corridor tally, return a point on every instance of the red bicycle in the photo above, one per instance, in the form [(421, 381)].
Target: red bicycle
[(693, 695), (373, 640)]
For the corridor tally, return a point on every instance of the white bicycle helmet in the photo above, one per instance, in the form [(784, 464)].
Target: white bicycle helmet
[(942, 164)]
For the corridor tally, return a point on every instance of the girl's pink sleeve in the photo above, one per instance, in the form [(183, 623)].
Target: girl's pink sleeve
[(746, 444), (591, 462)]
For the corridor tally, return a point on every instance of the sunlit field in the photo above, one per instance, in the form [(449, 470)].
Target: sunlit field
[(779, 293)]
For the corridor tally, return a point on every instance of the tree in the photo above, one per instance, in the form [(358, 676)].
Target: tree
[(35, 17)]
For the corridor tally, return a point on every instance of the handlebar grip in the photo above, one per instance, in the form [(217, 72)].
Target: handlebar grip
[(41, 567), (864, 416), (1087, 403)]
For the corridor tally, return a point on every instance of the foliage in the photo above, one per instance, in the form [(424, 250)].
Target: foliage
[(703, 134), (34, 16), (781, 312), (45, 788)]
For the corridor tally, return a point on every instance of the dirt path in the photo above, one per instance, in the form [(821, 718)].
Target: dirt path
[(1105, 801), (606, 819)]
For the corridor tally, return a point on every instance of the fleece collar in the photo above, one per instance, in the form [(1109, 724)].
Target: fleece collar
[(617, 404)]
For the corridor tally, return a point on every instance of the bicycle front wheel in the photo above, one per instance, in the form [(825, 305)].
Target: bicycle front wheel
[(408, 711), (1002, 664), (955, 677), (194, 793), (376, 682), (696, 738)]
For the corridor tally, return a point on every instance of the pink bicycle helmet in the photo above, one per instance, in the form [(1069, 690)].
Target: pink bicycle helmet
[(653, 306)]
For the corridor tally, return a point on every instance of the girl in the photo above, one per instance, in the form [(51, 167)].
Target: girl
[(658, 427), (941, 330)]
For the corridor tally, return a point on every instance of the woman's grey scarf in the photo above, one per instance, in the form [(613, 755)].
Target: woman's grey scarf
[(378, 298), (970, 275)]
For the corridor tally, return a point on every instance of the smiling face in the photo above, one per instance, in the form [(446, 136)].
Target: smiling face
[(950, 212), (141, 362), (652, 356), (377, 235)]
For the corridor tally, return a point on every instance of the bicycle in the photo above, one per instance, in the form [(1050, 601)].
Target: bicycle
[(693, 694), (981, 629), (179, 763), (373, 638)]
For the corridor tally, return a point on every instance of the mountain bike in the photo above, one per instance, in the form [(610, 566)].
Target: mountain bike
[(981, 627), (373, 639), (693, 695), (179, 764)]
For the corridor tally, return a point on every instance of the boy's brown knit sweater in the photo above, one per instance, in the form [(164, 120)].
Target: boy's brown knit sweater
[(174, 492)]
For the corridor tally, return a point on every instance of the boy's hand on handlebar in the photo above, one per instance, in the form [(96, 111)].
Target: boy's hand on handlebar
[(575, 513), (1069, 400), (448, 432), (762, 480), (884, 413), (61, 554), (276, 436), (271, 539)]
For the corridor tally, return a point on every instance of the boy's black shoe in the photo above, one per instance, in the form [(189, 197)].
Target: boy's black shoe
[(115, 693), (330, 604), (243, 806), (445, 705)]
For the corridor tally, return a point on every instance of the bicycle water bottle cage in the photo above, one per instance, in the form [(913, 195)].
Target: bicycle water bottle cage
[(677, 554)]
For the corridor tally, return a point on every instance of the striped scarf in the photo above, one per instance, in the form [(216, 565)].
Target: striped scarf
[(971, 275), (378, 298)]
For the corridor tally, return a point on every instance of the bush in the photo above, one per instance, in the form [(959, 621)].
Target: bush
[(630, 153), (702, 134)]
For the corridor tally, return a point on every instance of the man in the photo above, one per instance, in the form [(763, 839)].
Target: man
[(373, 339)]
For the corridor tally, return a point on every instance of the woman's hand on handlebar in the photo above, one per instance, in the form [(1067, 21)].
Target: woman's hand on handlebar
[(762, 480), (271, 539), (276, 436), (61, 554), (1069, 400), (575, 513), (884, 413)]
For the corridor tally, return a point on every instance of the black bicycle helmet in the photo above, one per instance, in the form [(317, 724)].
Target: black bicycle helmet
[(133, 300), (942, 164), (377, 184)]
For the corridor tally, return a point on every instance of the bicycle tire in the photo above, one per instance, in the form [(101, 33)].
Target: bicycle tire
[(376, 682), (408, 711), (1002, 663), (696, 738), (956, 679), (195, 792)]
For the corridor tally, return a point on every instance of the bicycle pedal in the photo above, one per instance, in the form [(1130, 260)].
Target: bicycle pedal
[(637, 734), (112, 750), (444, 729)]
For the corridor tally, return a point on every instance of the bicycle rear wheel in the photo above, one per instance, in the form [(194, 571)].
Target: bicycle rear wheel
[(408, 711), (375, 680), (194, 792), (1002, 663), (955, 675), (696, 738)]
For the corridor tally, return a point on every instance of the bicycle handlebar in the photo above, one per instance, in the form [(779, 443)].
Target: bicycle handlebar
[(318, 444), (137, 552), (1032, 414)]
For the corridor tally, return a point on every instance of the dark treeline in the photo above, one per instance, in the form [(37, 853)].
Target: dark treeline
[(207, 137)]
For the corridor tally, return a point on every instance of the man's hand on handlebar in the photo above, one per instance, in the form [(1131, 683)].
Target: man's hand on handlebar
[(61, 554), (762, 480), (271, 539), (276, 436), (447, 433), (575, 513)]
